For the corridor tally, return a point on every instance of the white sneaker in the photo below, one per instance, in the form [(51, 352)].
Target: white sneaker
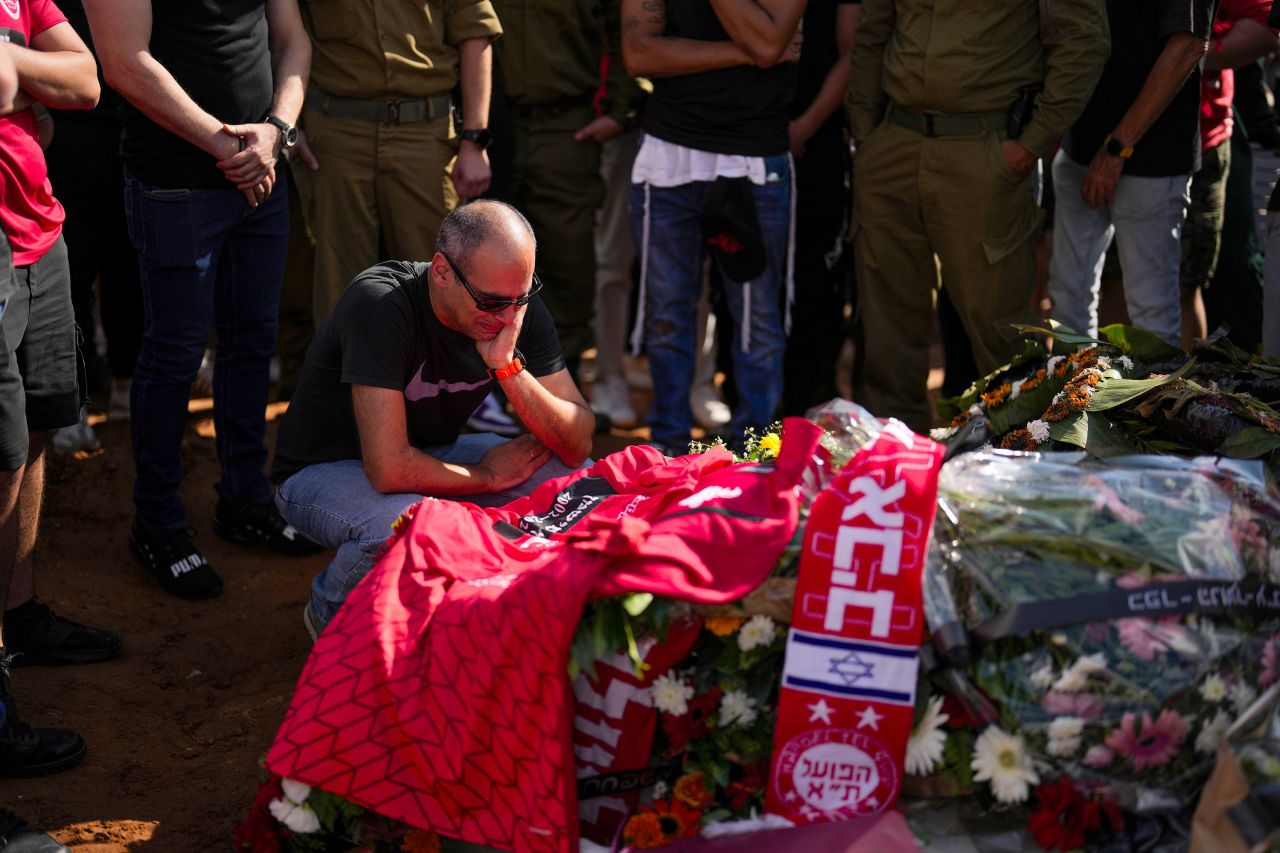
[(610, 397), (709, 410), (118, 410), (492, 417), (78, 436)]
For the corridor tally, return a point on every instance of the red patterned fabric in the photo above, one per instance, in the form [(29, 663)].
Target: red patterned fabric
[(439, 695)]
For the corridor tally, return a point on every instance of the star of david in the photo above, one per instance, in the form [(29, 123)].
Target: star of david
[(851, 668)]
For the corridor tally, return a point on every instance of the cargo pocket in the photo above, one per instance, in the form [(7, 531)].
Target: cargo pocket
[(1013, 230)]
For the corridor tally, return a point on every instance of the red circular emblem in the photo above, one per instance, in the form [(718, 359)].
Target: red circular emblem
[(834, 774)]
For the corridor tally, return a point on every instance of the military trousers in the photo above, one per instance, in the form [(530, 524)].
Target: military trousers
[(380, 193), (556, 183), (925, 207)]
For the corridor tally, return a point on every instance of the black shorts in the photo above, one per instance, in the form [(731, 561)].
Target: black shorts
[(39, 376)]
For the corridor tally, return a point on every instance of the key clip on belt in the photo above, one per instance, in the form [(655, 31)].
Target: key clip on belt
[(393, 112)]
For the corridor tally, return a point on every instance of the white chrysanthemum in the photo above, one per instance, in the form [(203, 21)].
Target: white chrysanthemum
[(1001, 759), (1212, 732), (1016, 388), (1063, 747), (1242, 696), (1213, 688), (1057, 398), (290, 809), (1125, 362), (1043, 676), (943, 433), (924, 748), (1074, 677), (1090, 664), (1091, 371), (1039, 430), (758, 631), (1104, 363), (660, 789), (1066, 728), (671, 694), (1054, 361), (737, 707)]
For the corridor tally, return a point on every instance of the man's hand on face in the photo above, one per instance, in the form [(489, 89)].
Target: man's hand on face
[(501, 348), (512, 462), (1020, 160)]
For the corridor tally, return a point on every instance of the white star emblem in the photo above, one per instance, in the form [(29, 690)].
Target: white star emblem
[(821, 711), (869, 718)]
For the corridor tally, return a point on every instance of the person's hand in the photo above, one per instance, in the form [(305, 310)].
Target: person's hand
[(246, 168), (471, 172), (500, 349), (1020, 160), (512, 462), (800, 133), (601, 130), (256, 195), (302, 150), (792, 53), (1099, 188)]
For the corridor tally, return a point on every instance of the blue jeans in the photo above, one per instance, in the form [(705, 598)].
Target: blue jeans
[(207, 259), (335, 505), (1146, 221), (673, 262)]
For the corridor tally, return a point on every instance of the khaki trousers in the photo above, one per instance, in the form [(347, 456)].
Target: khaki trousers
[(925, 207), (380, 193)]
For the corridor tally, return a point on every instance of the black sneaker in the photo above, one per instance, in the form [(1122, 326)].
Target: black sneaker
[(25, 751), (261, 524), (174, 561), (17, 837), (36, 636)]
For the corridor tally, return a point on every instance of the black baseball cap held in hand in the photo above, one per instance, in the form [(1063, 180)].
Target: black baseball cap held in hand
[(732, 231)]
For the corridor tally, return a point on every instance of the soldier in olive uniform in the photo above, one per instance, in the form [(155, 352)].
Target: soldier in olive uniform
[(379, 143), (547, 73), (939, 184)]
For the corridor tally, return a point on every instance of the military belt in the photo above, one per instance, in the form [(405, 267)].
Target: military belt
[(384, 110), (550, 109), (934, 125)]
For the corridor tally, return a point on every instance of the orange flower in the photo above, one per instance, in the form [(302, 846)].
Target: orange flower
[(1081, 356), (1019, 439), (959, 420), (644, 831), (691, 790), (675, 819), (1030, 383), (1077, 398), (723, 626), (1057, 411), (998, 396), (1090, 379), (421, 841)]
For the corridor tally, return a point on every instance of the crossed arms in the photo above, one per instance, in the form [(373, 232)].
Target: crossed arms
[(760, 33)]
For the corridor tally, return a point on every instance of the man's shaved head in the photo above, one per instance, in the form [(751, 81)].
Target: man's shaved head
[(494, 225)]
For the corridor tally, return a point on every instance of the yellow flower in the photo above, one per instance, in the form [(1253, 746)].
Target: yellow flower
[(770, 444), (723, 626)]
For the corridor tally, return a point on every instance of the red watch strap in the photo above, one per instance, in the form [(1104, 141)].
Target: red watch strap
[(511, 368)]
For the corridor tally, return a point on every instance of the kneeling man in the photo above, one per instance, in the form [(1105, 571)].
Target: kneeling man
[(408, 353)]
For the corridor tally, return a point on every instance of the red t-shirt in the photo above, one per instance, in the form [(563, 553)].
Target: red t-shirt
[(1218, 88), (31, 216)]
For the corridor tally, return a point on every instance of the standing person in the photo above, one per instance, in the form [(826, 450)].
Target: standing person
[(379, 139), (714, 166), (950, 107), (213, 90), (822, 204), (1125, 168), (42, 61)]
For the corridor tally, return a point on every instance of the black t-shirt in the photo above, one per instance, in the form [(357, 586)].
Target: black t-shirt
[(384, 333), (1139, 31), (740, 110), (217, 51)]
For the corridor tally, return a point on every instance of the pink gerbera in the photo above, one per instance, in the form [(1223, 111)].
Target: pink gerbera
[(1270, 672), (1144, 638), (1154, 744)]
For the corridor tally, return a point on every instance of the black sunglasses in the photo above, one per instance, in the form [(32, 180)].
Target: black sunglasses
[(488, 304)]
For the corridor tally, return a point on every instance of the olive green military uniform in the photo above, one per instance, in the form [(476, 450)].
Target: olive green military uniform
[(929, 95), (377, 117), (548, 70)]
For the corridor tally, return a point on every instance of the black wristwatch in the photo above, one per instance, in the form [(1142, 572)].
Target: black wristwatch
[(480, 136), (288, 132)]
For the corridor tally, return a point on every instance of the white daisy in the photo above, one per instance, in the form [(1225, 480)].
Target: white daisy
[(1212, 732), (1063, 747), (1001, 759), (671, 694), (737, 707), (1074, 677), (1043, 676), (1066, 728), (924, 748), (1242, 696), (1090, 664), (1039, 430), (758, 631), (1213, 688), (290, 810)]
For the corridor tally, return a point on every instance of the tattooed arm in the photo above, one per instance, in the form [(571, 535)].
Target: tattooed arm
[(648, 52)]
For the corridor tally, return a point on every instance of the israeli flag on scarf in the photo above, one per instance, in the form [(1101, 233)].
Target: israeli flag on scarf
[(854, 668)]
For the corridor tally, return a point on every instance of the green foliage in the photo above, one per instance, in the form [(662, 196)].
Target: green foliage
[(1139, 343)]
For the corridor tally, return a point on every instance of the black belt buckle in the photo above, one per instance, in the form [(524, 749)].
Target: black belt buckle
[(393, 112), (928, 126)]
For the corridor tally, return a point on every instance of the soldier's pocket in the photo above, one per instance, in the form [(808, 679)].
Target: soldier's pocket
[(1011, 225)]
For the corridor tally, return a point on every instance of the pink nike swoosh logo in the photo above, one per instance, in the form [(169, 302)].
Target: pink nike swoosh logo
[(418, 389)]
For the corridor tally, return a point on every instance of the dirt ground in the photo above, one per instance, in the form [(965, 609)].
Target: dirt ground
[(177, 726)]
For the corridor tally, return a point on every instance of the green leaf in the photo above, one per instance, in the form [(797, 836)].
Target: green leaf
[(1027, 407), (1116, 392), (637, 602), (1139, 343), (1073, 429), (949, 407), (1059, 332), (1249, 443)]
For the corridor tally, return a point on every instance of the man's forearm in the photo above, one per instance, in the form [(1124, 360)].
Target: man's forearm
[(565, 427), (475, 71), (291, 68), (1247, 41), (61, 79), (153, 90), (1173, 66), (762, 31), (649, 53), (866, 99)]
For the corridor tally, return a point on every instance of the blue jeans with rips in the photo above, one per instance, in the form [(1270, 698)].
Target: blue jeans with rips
[(666, 223), (335, 505), (207, 260)]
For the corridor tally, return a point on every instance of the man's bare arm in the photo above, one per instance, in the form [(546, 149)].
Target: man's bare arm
[(649, 53), (554, 411), (762, 28), (1247, 41), (834, 85), (57, 70), (393, 466), (472, 172)]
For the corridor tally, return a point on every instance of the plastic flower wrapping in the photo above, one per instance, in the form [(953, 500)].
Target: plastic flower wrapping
[(1104, 622)]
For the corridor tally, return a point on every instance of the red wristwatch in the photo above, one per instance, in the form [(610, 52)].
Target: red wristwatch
[(511, 368)]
